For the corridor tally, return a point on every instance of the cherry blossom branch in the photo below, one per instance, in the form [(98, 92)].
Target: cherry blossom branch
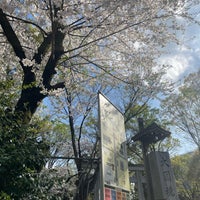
[(103, 68), (115, 32), (95, 27), (27, 22)]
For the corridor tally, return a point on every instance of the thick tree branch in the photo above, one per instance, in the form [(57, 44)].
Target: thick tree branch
[(58, 85), (11, 36), (56, 53), (42, 49)]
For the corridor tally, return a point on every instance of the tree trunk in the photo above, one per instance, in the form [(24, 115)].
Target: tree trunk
[(28, 103)]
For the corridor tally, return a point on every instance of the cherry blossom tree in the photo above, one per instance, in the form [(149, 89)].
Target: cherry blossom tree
[(39, 39)]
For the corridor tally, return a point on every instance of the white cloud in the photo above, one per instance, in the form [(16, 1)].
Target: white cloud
[(181, 64), (184, 58)]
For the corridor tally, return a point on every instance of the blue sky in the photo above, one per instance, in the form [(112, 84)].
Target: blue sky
[(185, 58)]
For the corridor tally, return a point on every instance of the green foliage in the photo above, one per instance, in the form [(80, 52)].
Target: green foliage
[(186, 169), (4, 196), (22, 152), (21, 155), (7, 95)]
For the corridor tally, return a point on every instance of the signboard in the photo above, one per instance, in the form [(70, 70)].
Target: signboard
[(163, 181), (115, 194), (114, 169)]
